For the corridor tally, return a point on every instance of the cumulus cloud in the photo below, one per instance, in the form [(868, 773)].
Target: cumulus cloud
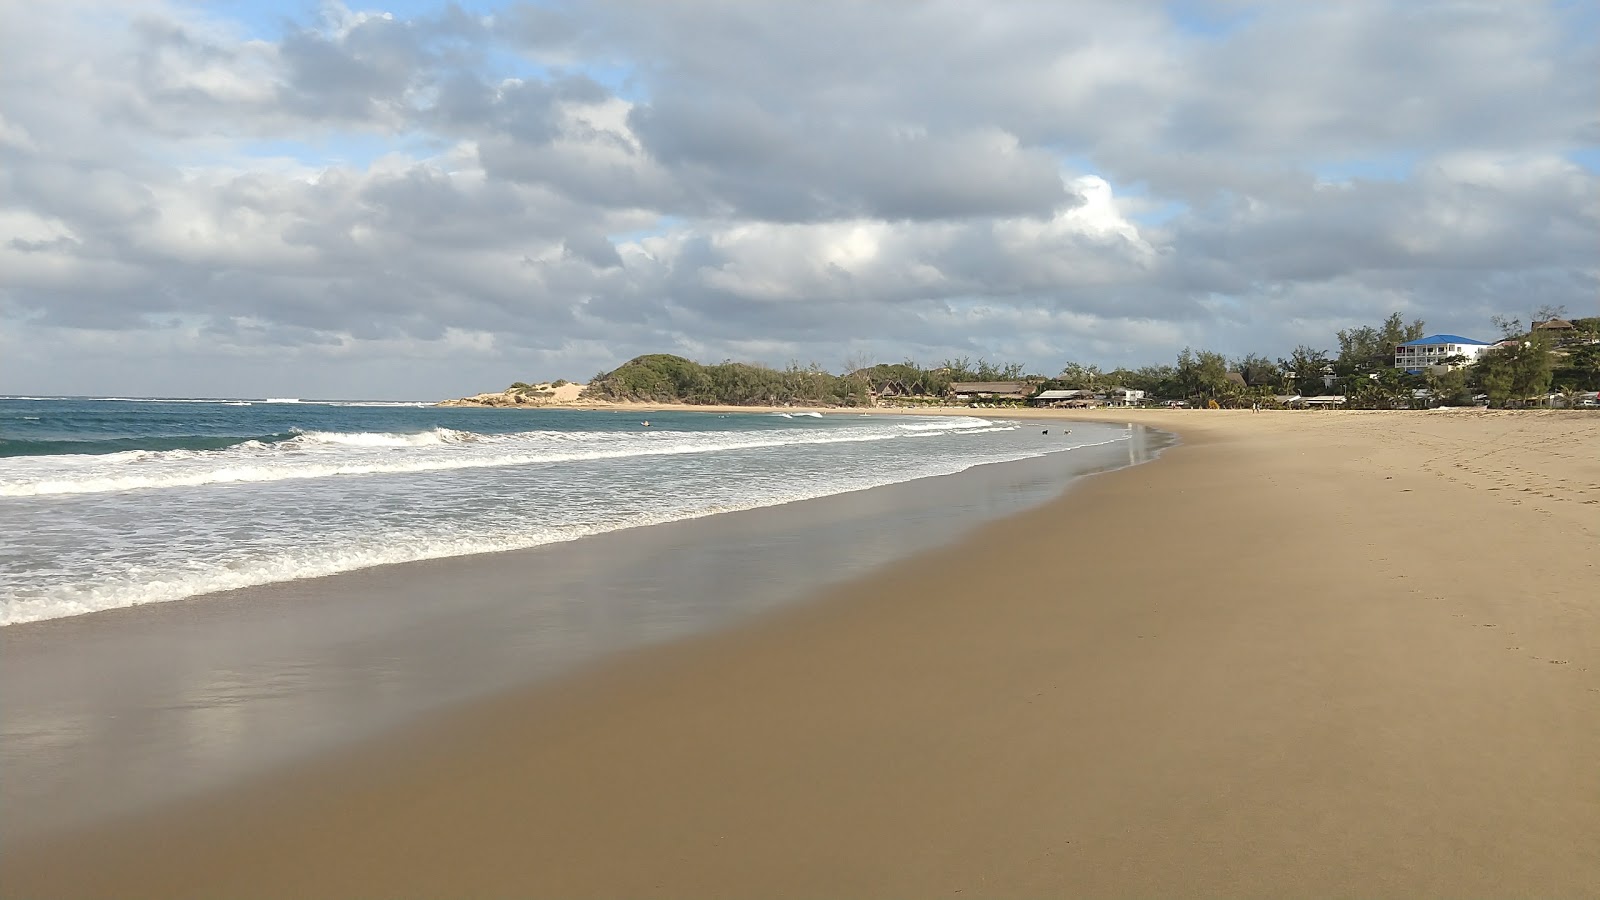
[(376, 202)]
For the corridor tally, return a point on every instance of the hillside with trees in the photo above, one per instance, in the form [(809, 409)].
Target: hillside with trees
[(1528, 363), (664, 378)]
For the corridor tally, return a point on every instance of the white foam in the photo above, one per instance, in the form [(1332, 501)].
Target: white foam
[(331, 454), (953, 423), (139, 585), (237, 401), (432, 437)]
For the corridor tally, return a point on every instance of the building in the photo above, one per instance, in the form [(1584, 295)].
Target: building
[(1433, 350), (992, 390), (1557, 327), (1124, 397), (1070, 399)]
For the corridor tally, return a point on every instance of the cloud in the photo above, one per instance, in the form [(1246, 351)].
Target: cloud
[(385, 203)]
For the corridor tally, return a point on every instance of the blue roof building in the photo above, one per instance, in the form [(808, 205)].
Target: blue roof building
[(1448, 350), (1445, 339)]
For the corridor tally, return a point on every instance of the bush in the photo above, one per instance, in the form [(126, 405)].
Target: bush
[(663, 378)]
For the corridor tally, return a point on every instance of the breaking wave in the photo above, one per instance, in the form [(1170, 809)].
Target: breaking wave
[(324, 454)]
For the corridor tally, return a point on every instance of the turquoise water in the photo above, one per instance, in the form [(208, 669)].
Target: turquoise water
[(115, 502)]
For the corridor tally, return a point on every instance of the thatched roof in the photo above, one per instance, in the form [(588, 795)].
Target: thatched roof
[(1019, 388)]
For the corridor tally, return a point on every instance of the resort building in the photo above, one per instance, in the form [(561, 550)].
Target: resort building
[(992, 390), (1077, 399), (1070, 399), (1435, 349)]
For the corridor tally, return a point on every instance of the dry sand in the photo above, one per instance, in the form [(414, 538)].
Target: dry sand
[(1305, 654)]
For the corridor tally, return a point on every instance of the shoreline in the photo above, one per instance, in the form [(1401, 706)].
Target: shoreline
[(1252, 668), (523, 615)]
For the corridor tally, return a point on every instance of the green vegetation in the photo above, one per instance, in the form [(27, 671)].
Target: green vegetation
[(1369, 349), (663, 378), (1519, 370), (1363, 371)]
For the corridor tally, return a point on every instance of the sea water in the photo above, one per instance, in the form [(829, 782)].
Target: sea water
[(116, 502)]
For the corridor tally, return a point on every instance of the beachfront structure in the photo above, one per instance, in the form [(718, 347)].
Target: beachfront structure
[(1080, 398), (992, 390), (1067, 398), (1435, 349)]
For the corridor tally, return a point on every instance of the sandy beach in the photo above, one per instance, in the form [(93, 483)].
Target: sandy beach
[(1303, 654)]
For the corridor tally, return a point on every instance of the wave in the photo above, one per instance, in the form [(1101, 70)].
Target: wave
[(149, 399), (232, 401), (137, 586), (953, 423), (315, 454), (431, 438), (107, 446)]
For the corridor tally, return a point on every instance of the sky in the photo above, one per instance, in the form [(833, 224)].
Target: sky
[(419, 200)]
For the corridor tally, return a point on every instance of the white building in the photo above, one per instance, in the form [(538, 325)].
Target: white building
[(1433, 350)]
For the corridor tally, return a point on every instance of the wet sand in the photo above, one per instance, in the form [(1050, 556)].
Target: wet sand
[(124, 710), (1316, 653)]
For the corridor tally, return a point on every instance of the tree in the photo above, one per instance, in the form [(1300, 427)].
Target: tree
[(1258, 371), (1075, 377), (1580, 367), (1302, 371), (1510, 327), (1201, 374), (1516, 372), (1549, 311), (988, 371), (1449, 387), (960, 369), (1368, 348)]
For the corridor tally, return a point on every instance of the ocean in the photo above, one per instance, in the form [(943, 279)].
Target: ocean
[(117, 502), (197, 590)]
